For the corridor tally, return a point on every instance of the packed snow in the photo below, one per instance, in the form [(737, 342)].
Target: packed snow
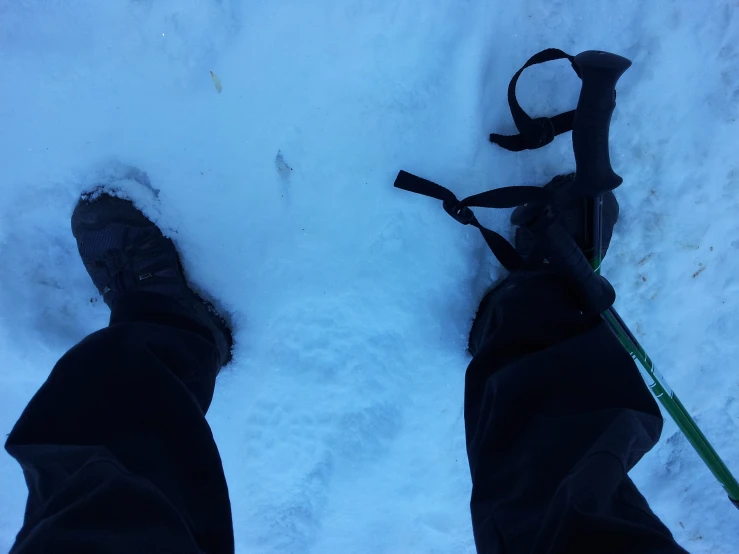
[(340, 419)]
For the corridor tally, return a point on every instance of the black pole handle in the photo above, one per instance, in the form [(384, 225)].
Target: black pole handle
[(599, 72)]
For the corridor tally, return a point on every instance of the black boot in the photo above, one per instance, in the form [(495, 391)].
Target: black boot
[(125, 253), (573, 219)]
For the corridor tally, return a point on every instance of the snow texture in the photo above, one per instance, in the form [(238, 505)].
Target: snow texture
[(340, 420)]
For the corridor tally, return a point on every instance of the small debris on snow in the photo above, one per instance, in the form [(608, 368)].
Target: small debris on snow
[(282, 168), (216, 82), (646, 258)]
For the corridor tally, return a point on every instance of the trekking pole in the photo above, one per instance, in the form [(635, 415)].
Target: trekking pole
[(599, 72), (537, 208)]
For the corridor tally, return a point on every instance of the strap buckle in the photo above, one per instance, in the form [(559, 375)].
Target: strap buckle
[(459, 212)]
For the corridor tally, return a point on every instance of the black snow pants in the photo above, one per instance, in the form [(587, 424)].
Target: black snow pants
[(118, 456)]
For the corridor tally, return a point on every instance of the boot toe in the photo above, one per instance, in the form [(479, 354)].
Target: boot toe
[(103, 210)]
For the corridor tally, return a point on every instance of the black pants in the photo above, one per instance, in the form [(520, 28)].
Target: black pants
[(118, 456)]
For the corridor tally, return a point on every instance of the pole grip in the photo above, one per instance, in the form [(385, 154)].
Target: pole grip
[(599, 72)]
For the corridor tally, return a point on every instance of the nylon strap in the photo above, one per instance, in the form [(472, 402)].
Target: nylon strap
[(506, 197), (534, 133)]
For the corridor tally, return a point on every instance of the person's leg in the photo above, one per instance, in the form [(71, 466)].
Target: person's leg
[(556, 414), (117, 454)]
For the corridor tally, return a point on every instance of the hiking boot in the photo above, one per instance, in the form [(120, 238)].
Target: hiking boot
[(574, 219), (125, 253)]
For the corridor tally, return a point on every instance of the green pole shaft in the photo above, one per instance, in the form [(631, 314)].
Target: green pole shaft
[(673, 406), (654, 379)]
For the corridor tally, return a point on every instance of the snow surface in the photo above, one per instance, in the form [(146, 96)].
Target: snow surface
[(340, 420)]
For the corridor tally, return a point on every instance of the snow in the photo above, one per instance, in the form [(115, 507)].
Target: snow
[(340, 420)]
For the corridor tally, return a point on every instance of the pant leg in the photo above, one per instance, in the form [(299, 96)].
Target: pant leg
[(115, 448), (556, 414)]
